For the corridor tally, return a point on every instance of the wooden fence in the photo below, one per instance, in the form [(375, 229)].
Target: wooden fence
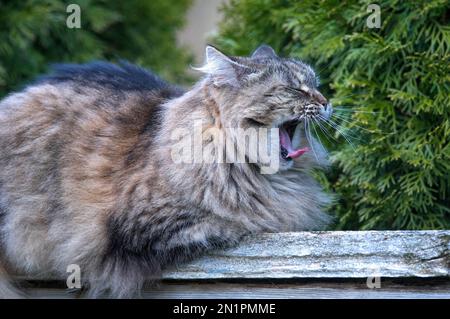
[(336, 264)]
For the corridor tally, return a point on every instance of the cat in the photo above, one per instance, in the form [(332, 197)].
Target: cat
[(87, 176)]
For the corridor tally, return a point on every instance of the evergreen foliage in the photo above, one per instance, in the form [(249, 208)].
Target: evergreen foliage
[(33, 34), (391, 86)]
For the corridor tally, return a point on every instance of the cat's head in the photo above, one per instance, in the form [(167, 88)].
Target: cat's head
[(265, 90)]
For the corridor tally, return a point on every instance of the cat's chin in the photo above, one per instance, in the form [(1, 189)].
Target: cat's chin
[(286, 164)]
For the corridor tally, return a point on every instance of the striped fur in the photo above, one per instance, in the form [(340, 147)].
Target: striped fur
[(86, 175)]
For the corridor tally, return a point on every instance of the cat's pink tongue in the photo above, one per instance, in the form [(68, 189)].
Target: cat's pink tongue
[(285, 141)]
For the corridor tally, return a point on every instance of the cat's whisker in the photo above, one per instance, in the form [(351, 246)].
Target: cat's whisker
[(349, 133), (352, 133), (351, 123), (325, 131), (324, 67), (340, 132), (310, 140), (318, 137), (321, 129), (352, 110)]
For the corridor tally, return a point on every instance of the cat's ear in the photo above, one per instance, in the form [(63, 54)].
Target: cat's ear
[(264, 51), (223, 69)]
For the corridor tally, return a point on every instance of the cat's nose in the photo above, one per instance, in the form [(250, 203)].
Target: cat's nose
[(326, 111), (320, 98)]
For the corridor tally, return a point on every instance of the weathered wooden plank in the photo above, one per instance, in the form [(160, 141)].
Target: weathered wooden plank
[(334, 254), (282, 257), (341, 290), (323, 255)]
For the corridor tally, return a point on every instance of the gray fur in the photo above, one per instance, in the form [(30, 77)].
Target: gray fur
[(86, 175)]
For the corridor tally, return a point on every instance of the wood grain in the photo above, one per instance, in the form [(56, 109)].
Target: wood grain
[(410, 264), (323, 290), (335, 254)]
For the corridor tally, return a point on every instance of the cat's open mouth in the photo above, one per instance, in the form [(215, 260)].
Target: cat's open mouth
[(287, 132)]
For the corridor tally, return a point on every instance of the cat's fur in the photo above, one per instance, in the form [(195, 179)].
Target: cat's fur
[(86, 175)]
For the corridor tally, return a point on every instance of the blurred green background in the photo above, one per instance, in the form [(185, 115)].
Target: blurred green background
[(390, 85), (33, 34)]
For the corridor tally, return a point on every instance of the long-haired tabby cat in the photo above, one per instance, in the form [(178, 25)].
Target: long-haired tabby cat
[(87, 176)]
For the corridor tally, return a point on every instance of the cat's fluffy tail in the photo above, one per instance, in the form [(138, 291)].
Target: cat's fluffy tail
[(7, 289)]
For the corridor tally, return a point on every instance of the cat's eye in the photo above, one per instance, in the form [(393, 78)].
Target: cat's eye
[(296, 90), (254, 122)]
